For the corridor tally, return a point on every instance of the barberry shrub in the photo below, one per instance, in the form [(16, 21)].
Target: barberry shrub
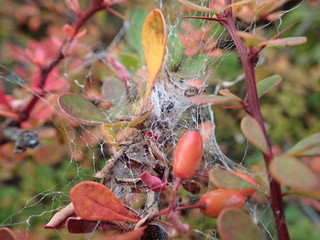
[(155, 130)]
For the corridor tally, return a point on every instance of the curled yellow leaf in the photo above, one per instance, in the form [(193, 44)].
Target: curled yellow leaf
[(154, 40)]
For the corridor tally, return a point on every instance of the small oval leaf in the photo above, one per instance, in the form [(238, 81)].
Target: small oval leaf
[(235, 224), (94, 201), (293, 173), (80, 109), (196, 7), (310, 146), (284, 42), (212, 99), (154, 41), (267, 84), (251, 40), (253, 132), (300, 193), (227, 180), (226, 92), (235, 4), (114, 90)]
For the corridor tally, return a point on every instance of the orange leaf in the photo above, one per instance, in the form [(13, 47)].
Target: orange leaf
[(154, 40), (94, 201), (67, 29)]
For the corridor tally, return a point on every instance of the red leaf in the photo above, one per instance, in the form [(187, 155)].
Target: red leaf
[(18, 54), (60, 218), (9, 114), (67, 29), (133, 235), (77, 225), (73, 5), (94, 201), (53, 83), (41, 111), (4, 101), (119, 70), (153, 183), (7, 234)]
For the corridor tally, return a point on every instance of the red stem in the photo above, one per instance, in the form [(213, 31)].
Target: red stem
[(171, 207), (94, 7), (199, 205), (253, 108), (176, 185), (168, 209)]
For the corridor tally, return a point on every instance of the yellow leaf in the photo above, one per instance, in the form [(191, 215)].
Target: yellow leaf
[(154, 39)]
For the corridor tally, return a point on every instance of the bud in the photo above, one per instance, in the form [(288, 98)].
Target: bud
[(153, 183)]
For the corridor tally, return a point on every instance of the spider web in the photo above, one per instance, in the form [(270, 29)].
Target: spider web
[(173, 113)]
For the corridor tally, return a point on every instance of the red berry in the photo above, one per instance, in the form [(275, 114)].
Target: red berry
[(187, 155), (219, 199), (247, 191)]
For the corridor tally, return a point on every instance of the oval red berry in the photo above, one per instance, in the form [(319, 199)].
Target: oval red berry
[(217, 200), (188, 154)]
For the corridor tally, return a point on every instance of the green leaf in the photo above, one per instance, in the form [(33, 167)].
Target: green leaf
[(196, 7), (141, 118), (226, 92), (284, 42), (267, 84), (314, 195), (227, 180), (133, 36), (212, 99), (310, 146), (293, 173), (250, 39), (253, 132), (235, 224), (114, 90), (80, 109), (235, 4)]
